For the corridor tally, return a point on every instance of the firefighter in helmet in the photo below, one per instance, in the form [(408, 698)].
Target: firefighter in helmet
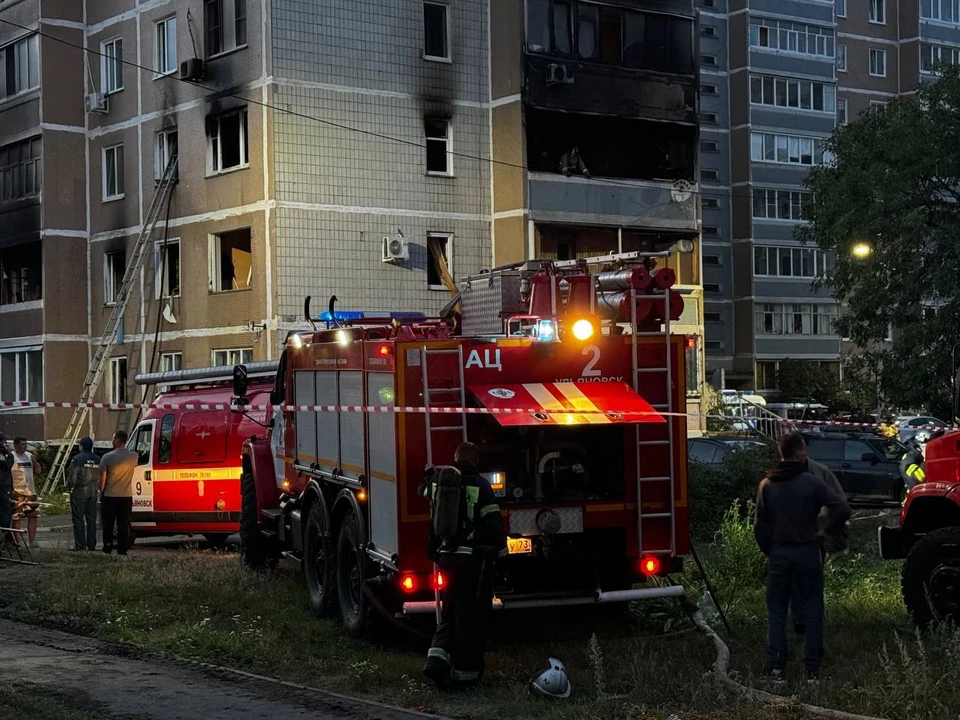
[(912, 465), (466, 537)]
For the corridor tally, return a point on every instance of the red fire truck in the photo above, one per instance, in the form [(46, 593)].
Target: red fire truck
[(564, 373), (187, 478)]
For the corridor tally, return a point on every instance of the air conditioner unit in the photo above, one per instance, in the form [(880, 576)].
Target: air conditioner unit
[(192, 69), (394, 250), (96, 103), (557, 73)]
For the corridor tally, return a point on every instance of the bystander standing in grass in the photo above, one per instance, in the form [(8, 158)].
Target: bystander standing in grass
[(789, 501), (83, 480), (25, 469), (116, 491)]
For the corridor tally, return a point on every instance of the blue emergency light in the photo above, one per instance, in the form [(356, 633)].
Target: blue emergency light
[(345, 315)]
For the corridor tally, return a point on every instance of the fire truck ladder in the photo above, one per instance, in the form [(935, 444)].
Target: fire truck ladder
[(109, 338), (453, 395), (645, 480)]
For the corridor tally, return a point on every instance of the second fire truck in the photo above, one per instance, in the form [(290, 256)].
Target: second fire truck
[(564, 373)]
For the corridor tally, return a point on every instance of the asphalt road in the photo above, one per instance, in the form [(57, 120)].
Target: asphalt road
[(94, 675)]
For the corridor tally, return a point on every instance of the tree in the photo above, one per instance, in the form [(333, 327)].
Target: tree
[(893, 185)]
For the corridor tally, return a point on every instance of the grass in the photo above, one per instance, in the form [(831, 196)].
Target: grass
[(204, 605), (35, 702)]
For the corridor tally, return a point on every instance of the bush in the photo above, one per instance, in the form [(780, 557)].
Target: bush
[(737, 566), (712, 492)]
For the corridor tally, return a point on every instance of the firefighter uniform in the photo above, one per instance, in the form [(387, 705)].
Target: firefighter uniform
[(465, 553), (912, 468)]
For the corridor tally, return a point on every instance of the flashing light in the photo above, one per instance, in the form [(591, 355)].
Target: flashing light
[(362, 495), (408, 584), (286, 484), (344, 315), (439, 581), (547, 330), (343, 338), (650, 565), (383, 351), (583, 329), (386, 395), (296, 341), (861, 250), (691, 342)]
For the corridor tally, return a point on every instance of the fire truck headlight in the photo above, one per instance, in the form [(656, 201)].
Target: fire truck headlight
[(296, 341), (342, 338), (583, 329)]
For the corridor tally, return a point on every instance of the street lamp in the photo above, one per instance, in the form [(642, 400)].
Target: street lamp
[(861, 250)]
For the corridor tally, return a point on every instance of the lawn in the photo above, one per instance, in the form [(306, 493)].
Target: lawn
[(642, 664)]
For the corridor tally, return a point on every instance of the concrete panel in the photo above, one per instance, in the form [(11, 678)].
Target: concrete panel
[(64, 184), (797, 347), (739, 99), (857, 21), (555, 198), (62, 73), (738, 34), (814, 12), (64, 368), (787, 63), (743, 328), (509, 188), (99, 11), (25, 423), (776, 289), (510, 243), (20, 323), (63, 10), (506, 48), (65, 285), (740, 155), (22, 13), (858, 67), (777, 174), (20, 116), (791, 121), (20, 222), (780, 231), (122, 104)]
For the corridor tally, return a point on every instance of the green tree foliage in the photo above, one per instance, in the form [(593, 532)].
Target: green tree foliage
[(895, 185)]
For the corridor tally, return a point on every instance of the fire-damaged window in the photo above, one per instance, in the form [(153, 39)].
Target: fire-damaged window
[(231, 261), (21, 273), (611, 147), (440, 261), (167, 281), (436, 132), (117, 389), (227, 141), (20, 169), (611, 35)]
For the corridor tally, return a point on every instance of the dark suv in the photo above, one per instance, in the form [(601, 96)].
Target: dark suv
[(867, 466)]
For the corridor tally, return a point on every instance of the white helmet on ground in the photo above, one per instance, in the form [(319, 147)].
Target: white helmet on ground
[(552, 682)]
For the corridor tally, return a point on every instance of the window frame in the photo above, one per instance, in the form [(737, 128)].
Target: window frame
[(117, 60), (840, 8), (23, 355), (174, 354), (448, 258), (817, 257), (110, 285), (215, 158), (214, 256), (161, 271), (161, 37), (161, 155), (447, 34), (117, 173), (225, 20), (882, 55), (841, 66), (845, 111), (227, 356), (32, 53), (877, 12), (17, 171), (114, 389), (793, 89), (800, 143), (448, 144), (790, 31)]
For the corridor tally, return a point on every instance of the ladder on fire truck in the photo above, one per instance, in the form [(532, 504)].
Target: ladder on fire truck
[(452, 396), (109, 339)]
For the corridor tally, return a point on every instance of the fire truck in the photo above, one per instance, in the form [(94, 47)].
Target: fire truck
[(187, 477), (567, 377)]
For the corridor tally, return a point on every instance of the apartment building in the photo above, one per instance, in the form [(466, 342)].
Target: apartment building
[(776, 78), (372, 151)]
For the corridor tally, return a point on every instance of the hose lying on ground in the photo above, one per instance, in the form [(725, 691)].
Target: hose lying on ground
[(722, 662)]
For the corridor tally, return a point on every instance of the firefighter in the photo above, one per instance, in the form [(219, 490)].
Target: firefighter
[(466, 537), (83, 480), (912, 465), (572, 164)]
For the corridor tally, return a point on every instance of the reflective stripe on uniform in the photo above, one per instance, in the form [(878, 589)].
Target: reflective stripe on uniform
[(440, 654), (473, 496), (466, 675), (487, 509), (916, 472)]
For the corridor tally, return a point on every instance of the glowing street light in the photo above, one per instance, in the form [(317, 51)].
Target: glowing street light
[(861, 250)]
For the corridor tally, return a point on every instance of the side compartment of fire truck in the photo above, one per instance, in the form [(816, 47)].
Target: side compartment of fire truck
[(594, 501)]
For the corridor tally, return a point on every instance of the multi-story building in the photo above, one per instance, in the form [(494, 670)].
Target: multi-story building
[(372, 151), (776, 78)]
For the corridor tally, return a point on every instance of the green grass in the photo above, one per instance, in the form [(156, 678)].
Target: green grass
[(27, 701), (56, 503), (206, 606)]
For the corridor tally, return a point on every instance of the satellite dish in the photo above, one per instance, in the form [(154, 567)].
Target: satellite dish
[(681, 191), (168, 314)]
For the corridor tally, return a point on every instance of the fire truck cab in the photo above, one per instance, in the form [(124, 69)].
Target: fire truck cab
[(187, 478), (566, 376)]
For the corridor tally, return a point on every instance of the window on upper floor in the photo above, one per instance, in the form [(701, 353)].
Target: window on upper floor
[(932, 57), (224, 26), (171, 362), (21, 165), (878, 11), (165, 61), (710, 203), (114, 268), (841, 57), (21, 374), (708, 60), (113, 173), (111, 66), (779, 204), (439, 146), (167, 270), (610, 35), (117, 388), (709, 174), (793, 93), (230, 260), (841, 111), (227, 141), (789, 36), (232, 356), (878, 62), (436, 31), (791, 149), (21, 273), (20, 66), (796, 319), (709, 31), (440, 261), (164, 150), (769, 261), (841, 8), (945, 10)]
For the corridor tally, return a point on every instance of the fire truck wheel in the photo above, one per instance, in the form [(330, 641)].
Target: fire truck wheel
[(931, 577), (255, 549), (319, 563), (351, 575)]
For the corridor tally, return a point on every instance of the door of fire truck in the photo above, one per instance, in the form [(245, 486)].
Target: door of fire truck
[(141, 442)]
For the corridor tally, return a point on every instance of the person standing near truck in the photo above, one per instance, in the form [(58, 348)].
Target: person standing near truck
[(26, 503), (116, 494), (83, 480), (788, 532)]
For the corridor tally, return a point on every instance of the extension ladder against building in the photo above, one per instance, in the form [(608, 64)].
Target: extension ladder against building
[(109, 339)]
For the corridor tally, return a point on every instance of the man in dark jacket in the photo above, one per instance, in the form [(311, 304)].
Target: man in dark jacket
[(787, 530), (83, 480), (6, 488), (466, 537)]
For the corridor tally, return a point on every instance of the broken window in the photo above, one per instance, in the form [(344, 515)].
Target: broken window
[(227, 141), (225, 25), (439, 146), (114, 267), (231, 261), (21, 273), (436, 31), (165, 150), (168, 269), (658, 42), (20, 169), (440, 261)]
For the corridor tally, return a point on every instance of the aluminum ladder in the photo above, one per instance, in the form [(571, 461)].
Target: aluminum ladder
[(109, 338), (645, 480), (454, 395)]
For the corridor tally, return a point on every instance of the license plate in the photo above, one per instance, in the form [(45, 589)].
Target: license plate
[(519, 546)]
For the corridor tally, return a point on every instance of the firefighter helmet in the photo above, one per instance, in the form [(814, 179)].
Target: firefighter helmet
[(552, 682), (923, 436)]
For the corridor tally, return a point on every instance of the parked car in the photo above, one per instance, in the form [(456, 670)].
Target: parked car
[(867, 466), (907, 426), (714, 452)]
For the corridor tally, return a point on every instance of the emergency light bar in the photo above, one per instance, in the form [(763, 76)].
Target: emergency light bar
[(353, 315)]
